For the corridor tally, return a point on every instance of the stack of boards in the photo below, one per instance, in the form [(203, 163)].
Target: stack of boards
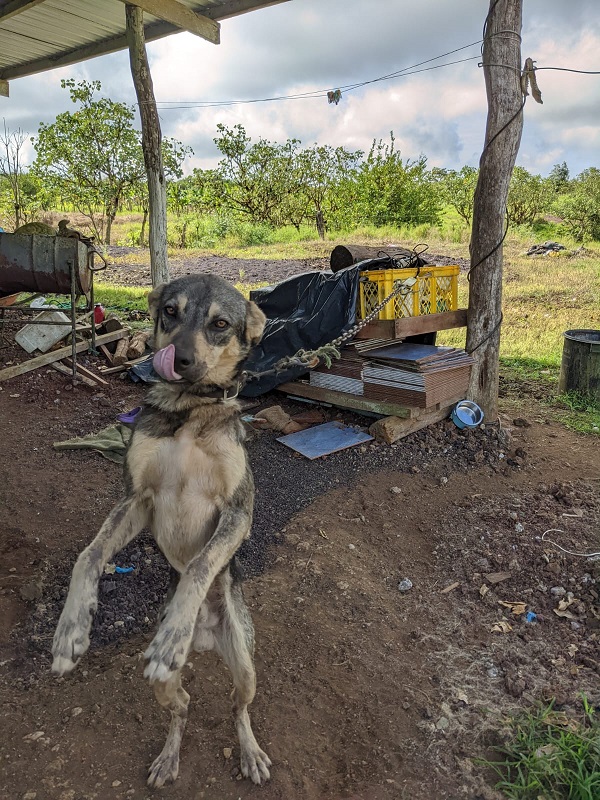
[(396, 372)]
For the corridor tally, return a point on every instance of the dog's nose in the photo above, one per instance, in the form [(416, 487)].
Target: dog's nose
[(183, 359)]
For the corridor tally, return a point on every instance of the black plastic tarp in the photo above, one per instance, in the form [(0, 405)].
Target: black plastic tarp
[(303, 312)]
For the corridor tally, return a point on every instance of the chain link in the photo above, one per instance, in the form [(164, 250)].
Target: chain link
[(311, 358)]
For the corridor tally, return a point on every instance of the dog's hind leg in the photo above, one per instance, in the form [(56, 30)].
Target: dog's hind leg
[(72, 637), (234, 640), (172, 696)]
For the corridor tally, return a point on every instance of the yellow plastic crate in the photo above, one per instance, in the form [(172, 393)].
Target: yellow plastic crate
[(435, 291)]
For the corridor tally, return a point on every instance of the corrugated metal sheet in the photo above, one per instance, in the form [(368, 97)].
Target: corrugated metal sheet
[(36, 36)]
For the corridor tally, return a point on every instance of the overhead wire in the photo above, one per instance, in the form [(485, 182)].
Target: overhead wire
[(166, 105), (413, 69)]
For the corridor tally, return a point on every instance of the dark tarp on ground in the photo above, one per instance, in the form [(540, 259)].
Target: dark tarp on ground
[(303, 312)]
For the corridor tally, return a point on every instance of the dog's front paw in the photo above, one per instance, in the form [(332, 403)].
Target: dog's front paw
[(71, 641), (164, 769), (167, 651), (255, 764)]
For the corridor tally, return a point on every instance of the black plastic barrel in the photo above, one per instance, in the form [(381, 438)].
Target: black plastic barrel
[(580, 366)]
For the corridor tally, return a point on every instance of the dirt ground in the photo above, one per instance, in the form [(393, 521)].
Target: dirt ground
[(126, 271), (364, 691)]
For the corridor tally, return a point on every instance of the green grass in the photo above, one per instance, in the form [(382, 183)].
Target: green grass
[(578, 412), (121, 298), (135, 298), (551, 756)]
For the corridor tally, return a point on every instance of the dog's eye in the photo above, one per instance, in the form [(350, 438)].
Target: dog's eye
[(170, 311), (221, 324)]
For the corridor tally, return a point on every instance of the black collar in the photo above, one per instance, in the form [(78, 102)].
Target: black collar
[(222, 393)]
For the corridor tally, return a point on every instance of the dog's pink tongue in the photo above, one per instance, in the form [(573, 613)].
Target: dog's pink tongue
[(164, 363)]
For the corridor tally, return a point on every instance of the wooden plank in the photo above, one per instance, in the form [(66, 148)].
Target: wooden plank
[(345, 400), (4, 89), (180, 15), (106, 353), (64, 370), (57, 355), (87, 372), (121, 367), (408, 426), (413, 326)]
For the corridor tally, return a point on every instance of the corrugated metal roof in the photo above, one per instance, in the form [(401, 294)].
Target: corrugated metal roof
[(37, 35)]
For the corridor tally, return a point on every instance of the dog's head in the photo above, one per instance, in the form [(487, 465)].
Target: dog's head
[(203, 330)]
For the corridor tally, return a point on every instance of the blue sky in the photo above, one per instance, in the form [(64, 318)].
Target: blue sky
[(305, 45)]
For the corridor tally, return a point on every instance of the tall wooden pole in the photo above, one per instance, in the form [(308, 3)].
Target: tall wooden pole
[(502, 68), (151, 145)]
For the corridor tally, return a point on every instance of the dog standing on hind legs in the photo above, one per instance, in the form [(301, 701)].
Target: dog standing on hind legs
[(186, 477)]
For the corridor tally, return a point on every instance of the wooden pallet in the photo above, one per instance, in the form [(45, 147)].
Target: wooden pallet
[(413, 326), (410, 419)]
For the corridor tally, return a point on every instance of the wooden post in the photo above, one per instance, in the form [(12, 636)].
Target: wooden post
[(151, 145), (502, 67)]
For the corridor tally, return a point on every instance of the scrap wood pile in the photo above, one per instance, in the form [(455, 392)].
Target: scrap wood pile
[(126, 353), (46, 345)]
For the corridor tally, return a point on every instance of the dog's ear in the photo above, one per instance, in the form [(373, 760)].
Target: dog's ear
[(255, 323), (154, 299)]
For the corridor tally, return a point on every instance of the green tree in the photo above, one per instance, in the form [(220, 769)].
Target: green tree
[(257, 179), (21, 195), (580, 208), (321, 170), (559, 178), (391, 191), (458, 189), (528, 197), (92, 156), (199, 192)]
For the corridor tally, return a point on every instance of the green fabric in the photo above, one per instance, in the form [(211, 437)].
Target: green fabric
[(110, 442)]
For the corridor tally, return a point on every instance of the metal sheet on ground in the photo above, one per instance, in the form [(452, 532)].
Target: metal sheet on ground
[(324, 439)]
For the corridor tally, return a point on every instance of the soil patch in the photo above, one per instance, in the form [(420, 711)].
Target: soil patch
[(133, 268), (364, 691)]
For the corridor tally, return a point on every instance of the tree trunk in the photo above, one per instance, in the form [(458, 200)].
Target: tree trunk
[(502, 65), (143, 231), (151, 145), (109, 221), (320, 221)]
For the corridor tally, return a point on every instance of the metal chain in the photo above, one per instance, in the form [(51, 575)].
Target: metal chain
[(402, 288), (311, 358)]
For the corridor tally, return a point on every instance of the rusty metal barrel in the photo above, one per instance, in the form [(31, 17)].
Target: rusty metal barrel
[(580, 366), (34, 263)]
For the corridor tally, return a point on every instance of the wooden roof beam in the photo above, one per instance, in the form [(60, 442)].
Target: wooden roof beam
[(13, 7), (4, 88), (233, 8), (180, 15)]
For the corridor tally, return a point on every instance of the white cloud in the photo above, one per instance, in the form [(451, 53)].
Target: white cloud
[(311, 44)]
